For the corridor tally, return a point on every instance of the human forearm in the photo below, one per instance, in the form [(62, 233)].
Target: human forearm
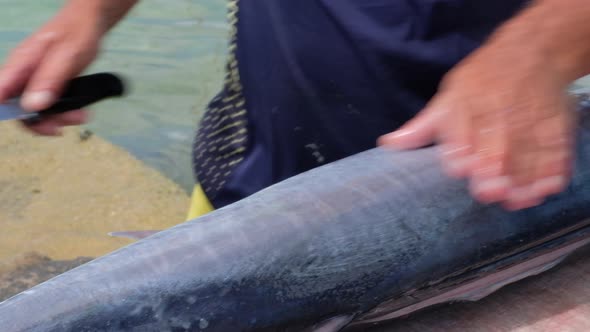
[(39, 66), (106, 13), (557, 32), (502, 116)]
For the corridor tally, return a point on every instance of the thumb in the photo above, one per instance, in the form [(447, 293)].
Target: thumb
[(59, 66), (416, 133), (21, 64)]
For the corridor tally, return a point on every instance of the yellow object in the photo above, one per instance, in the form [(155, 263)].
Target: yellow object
[(200, 204)]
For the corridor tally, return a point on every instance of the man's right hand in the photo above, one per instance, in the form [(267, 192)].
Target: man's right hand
[(41, 65)]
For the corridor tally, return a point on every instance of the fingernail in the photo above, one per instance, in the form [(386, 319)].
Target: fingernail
[(490, 190), (400, 133), (550, 184), (493, 184), (463, 164), (517, 194), (523, 193), (35, 101), (457, 167), (395, 135), (392, 139), (385, 139)]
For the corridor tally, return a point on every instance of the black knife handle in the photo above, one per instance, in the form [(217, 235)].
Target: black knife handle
[(85, 90)]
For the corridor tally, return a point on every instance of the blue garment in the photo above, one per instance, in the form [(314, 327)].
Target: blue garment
[(310, 82)]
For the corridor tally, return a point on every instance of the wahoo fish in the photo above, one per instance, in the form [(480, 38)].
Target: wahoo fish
[(366, 239)]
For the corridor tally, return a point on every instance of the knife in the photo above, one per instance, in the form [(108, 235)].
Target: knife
[(78, 93)]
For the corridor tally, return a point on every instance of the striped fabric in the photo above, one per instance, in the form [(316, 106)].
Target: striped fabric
[(222, 138)]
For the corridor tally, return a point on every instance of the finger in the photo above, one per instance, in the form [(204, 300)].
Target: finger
[(456, 143), (522, 158), (418, 132), (522, 174), (521, 204), (21, 64), (63, 62), (489, 182), (72, 118), (50, 125), (553, 170), (46, 127), (541, 167)]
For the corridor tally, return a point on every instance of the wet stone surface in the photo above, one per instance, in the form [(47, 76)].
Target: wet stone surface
[(31, 270)]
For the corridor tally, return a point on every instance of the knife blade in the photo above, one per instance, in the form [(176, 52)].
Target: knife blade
[(80, 92)]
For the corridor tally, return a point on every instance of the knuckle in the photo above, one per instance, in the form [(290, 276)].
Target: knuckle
[(496, 160), (77, 53), (556, 166)]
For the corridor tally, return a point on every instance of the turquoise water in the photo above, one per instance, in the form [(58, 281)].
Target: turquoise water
[(172, 52)]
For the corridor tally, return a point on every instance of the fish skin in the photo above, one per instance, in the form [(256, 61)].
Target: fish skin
[(329, 245)]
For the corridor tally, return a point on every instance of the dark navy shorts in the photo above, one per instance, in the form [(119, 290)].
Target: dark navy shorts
[(311, 81)]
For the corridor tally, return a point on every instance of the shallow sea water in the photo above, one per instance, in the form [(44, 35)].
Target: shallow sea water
[(171, 51)]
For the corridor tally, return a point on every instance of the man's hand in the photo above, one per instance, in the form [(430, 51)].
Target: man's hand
[(41, 65), (505, 126), (502, 117)]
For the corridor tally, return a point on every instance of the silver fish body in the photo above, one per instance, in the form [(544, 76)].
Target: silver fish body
[(367, 238)]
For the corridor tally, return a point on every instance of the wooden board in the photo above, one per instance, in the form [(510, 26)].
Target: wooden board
[(557, 300)]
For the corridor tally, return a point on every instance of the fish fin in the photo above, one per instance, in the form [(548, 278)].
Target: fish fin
[(333, 324), (135, 235)]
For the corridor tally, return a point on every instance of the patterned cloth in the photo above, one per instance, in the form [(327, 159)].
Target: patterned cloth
[(222, 140)]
